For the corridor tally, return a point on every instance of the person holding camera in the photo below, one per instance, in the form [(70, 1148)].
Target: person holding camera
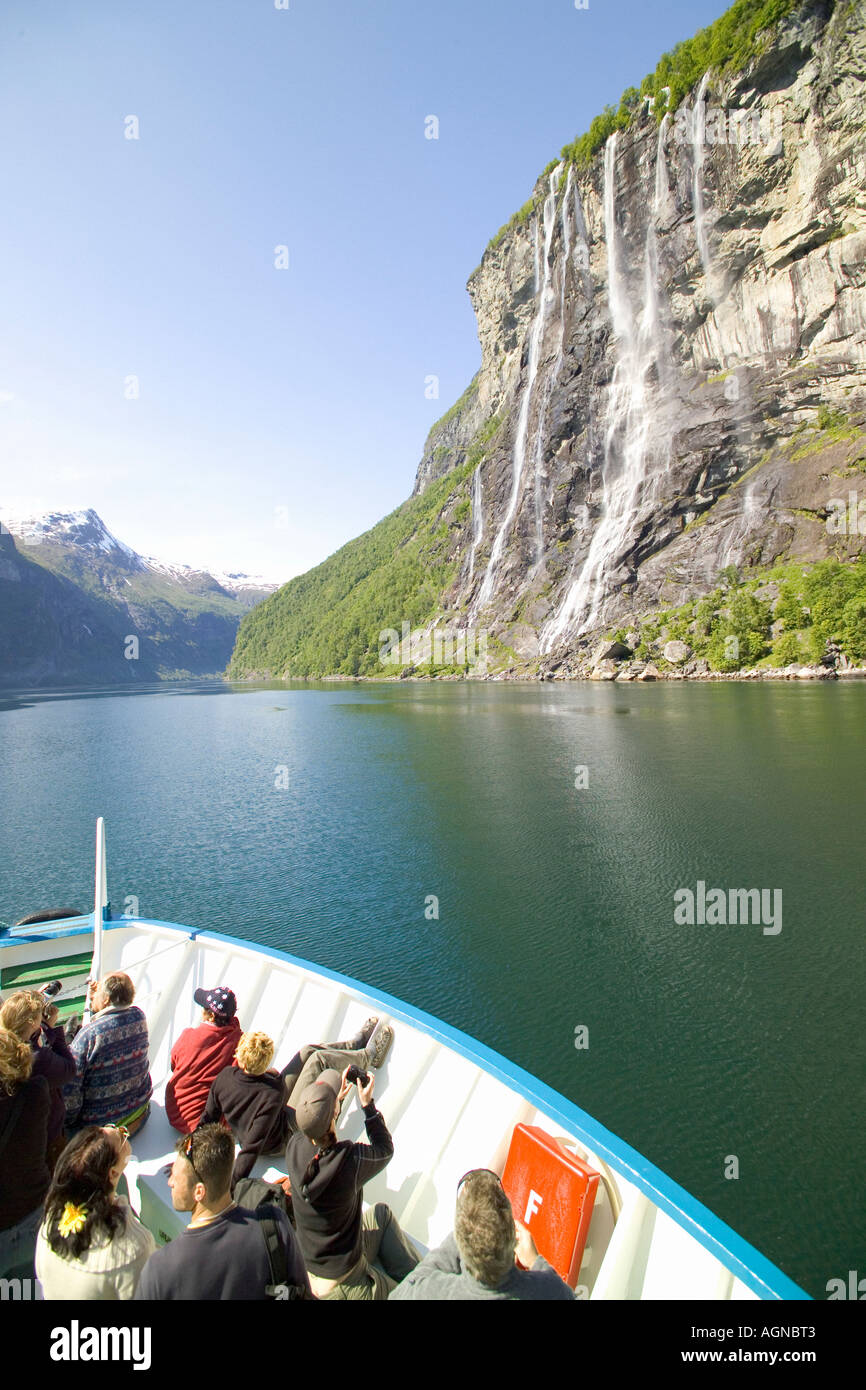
[(32, 1017), (257, 1102), (350, 1254)]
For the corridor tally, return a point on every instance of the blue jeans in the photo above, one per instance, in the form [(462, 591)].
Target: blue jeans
[(18, 1247)]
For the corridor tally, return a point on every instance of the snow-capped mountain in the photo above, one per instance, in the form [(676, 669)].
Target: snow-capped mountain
[(72, 596), (84, 529), (86, 532), (247, 588)]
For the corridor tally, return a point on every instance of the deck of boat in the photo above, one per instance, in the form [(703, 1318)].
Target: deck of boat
[(450, 1103)]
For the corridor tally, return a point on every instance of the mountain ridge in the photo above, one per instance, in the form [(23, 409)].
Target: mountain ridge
[(79, 605)]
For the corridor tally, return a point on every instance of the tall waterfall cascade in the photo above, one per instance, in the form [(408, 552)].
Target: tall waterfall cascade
[(544, 295), (751, 512), (477, 519), (552, 377), (635, 452), (698, 130)]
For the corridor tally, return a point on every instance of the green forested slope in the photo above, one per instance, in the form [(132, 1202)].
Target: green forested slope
[(327, 621)]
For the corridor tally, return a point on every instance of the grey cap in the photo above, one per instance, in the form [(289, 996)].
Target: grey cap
[(317, 1105)]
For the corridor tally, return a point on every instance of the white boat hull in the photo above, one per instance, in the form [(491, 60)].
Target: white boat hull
[(648, 1238)]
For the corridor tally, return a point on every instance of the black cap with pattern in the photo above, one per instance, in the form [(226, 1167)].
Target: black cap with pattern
[(220, 1001)]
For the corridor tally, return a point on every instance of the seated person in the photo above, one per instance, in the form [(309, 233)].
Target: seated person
[(112, 1083), (24, 1176), (480, 1260), (91, 1245), (257, 1102), (199, 1055), (33, 1019), (223, 1253), (349, 1254)]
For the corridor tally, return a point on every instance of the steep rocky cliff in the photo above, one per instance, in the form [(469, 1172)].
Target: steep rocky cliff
[(673, 375), (657, 336)]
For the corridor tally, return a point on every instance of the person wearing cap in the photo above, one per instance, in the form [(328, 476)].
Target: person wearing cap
[(199, 1056), (257, 1102), (489, 1256), (349, 1253)]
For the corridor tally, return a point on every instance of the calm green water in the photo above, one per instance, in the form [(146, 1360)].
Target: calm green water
[(556, 904)]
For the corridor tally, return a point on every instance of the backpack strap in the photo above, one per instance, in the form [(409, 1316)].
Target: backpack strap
[(276, 1252), (275, 1246)]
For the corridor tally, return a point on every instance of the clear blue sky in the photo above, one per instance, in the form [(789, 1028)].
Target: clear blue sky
[(262, 389)]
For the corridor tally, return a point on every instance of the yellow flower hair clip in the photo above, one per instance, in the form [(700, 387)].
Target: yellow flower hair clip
[(72, 1220)]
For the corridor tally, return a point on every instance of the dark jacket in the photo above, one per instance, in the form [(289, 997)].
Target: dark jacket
[(255, 1107), (24, 1175), (227, 1259), (328, 1213), (441, 1277), (55, 1062)]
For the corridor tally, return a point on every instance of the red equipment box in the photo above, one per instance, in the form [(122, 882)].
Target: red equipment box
[(552, 1192)]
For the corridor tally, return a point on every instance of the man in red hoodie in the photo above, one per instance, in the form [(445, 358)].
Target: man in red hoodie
[(199, 1055)]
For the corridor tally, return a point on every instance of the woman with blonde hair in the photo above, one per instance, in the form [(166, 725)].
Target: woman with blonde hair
[(91, 1245), (24, 1176), (33, 1019)]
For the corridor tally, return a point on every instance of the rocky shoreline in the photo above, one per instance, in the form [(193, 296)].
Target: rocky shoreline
[(631, 671)]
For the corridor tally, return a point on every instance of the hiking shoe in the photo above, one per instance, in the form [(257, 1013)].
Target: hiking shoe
[(363, 1035), (378, 1048)]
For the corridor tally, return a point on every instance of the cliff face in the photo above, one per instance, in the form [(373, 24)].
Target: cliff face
[(674, 343), (673, 383)]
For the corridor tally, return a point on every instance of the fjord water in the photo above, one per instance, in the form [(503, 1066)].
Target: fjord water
[(555, 902)]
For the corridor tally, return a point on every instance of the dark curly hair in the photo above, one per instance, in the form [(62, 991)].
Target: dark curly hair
[(83, 1176)]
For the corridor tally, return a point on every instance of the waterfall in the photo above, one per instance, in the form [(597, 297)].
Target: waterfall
[(654, 327), (582, 241), (751, 510), (535, 340), (477, 518), (539, 471), (698, 133), (751, 513), (627, 481), (662, 188), (566, 249)]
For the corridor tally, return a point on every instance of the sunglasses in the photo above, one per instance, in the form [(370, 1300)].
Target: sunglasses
[(473, 1171), (121, 1129), (186, 1150)]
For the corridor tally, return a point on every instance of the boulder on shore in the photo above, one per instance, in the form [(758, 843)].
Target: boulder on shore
[(676, 652), (604, 671), (610, 651)]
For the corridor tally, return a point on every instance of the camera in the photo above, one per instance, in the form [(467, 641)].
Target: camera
[(54, 988), (355, 1074)]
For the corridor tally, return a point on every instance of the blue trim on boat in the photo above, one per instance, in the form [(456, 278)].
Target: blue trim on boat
[(747, 1263), (44, 931)]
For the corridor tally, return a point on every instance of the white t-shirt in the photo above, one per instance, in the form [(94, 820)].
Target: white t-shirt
[(110, 1269)]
